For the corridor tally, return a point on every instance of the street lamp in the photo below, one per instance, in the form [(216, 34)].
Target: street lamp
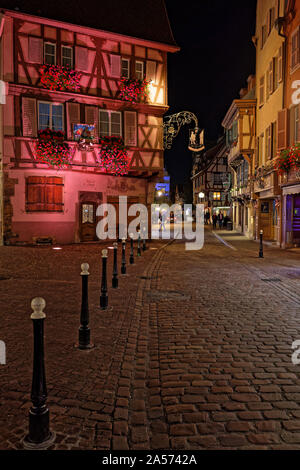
[(201, 195)]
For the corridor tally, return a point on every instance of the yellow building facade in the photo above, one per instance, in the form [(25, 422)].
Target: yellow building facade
[(269, 42)]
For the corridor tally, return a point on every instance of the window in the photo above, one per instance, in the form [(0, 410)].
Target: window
[(139, 70), (295, 49), (261, 150), (268, 142), (44, 194), (110, 123), (50, 53), (218, 178), (263, 35), (262, 90), (271, 19), (50, 115), (294, 125), (217, 196), (67, 56), (125, 68)]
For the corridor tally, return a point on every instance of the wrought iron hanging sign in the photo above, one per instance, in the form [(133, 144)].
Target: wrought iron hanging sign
[(173, 124)]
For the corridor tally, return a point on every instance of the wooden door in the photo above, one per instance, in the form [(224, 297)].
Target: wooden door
[(266, 223), (87, 219)]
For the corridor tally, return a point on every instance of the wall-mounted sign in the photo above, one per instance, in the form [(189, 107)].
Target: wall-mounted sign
[(196, 142), (84, 134)]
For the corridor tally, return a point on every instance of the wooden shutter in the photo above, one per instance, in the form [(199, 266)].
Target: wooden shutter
[(54, 194), (29, 117), (282, 129), (115, 66), (73, 117), (35, 50), (91, 117), (274, 141), (81, 58), (35, 193), (280, 64), (130, 128), (151, 70)]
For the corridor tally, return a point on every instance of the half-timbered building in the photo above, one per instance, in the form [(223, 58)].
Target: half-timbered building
[(239, 125), (60, 203), (211, 179)]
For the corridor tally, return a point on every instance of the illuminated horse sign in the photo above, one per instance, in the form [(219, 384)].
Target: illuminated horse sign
[(172, 126)]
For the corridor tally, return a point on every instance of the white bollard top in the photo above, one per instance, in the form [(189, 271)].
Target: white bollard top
[(38, 304), (85, 269), (104, 253), (115, 245), (123, 240)]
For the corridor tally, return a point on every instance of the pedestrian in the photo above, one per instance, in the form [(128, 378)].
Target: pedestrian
[(220, 219), (214, 219), (226, 218), (207, 217), (163, 221)]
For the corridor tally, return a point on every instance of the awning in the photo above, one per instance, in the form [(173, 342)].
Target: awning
[(295, 189)]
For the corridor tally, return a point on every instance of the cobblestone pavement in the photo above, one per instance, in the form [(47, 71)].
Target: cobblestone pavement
[(195, 354)]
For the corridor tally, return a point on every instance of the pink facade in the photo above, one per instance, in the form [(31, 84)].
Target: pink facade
[(40, 200)]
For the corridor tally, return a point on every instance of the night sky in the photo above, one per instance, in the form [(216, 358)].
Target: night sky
[(216, 57)]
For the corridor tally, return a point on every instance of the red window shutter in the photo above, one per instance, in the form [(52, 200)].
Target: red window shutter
[(73, 117), (35, 50), (29, 117), (115, 66), (91, 117), (282, 129), (81, 58), (130, 126), (151, 70), (35, 193), (54, 194)]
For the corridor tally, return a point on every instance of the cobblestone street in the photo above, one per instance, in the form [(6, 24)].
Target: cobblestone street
[(195, 354)]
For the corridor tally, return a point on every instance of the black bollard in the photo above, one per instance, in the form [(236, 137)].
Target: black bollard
[(115, 281), (139, 253), (144, 244), (103, 295), (261, 251), (84, 333), (40, 436), (123, 265), (131, 257)]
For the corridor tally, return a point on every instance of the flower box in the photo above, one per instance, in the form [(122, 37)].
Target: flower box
[(50, 148), (134, 90), (57, 77), (113, 157)]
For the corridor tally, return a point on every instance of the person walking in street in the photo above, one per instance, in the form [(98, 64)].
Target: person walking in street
[(214, 219), (220, 219)]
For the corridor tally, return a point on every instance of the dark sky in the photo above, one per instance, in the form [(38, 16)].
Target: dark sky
[(216, 57)]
